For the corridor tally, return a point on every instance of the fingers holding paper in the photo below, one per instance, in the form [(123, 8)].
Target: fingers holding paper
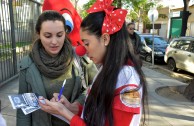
[(57, 108), (51, 106)]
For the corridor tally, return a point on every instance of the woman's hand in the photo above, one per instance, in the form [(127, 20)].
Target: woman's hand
[(54, 107), (73, 107), (51, 106), (63, 99)]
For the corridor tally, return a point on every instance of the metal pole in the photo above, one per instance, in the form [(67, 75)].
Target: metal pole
[(13, 36), (169, 20), (152, 39)]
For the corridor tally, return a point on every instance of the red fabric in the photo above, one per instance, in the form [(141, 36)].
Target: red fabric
[(77, 121), (118, 103), (80, 109), (65, 6), (121, 118), (113, 20), (130, 63)]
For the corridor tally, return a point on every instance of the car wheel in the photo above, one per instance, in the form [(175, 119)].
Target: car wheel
[(172, 65), (148, 58)]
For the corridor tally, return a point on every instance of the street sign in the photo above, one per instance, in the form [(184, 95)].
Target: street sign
[(153, 15)]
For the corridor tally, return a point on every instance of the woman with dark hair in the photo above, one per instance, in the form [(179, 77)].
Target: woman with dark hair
[(135, 39), (118, 94), (50, 62)]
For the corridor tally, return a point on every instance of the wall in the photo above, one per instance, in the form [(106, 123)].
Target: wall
[(165, 21)]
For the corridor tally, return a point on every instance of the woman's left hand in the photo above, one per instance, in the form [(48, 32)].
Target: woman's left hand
[(52, 106)]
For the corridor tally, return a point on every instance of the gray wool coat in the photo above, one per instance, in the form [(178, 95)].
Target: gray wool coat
[(30, 81)]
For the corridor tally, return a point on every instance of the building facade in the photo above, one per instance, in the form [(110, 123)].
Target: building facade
[(171, 22)]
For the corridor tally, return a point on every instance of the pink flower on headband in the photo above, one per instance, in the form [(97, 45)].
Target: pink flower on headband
[(113, 20)]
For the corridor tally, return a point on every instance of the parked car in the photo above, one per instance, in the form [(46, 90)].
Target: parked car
[(159, 47), (180, 54)]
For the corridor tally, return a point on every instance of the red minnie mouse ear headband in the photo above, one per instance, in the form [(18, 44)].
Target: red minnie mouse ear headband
[(113, 20)]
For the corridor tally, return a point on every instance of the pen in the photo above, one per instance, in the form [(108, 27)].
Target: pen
[(61, 91)]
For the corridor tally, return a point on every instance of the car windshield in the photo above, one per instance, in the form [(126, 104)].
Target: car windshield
[(157, 40)]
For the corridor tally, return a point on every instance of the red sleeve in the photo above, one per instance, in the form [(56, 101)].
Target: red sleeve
[(80, 109), (77, 121), (118, 115), (122, 118), (129, 101)]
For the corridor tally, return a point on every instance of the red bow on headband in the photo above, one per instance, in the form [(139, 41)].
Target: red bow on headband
[(113, 20)]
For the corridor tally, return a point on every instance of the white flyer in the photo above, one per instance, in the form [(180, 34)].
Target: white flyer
[(28, 102)]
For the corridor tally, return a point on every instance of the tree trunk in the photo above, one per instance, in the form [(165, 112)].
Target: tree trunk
[(185, 16), (75, 3), (189, 92)]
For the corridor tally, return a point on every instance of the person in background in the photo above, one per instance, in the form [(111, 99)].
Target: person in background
[(49, 63), (135, 39), (118, 95)]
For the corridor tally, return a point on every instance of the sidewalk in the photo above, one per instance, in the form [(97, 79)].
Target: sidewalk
[(163, 111)]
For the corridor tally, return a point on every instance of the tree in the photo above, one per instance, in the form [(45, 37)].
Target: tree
[(118, 3), (75, 3), (185, 16), (189, 92), (137, 9), (86, 6)]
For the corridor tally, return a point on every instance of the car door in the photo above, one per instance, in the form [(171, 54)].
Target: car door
[(145, 49), (189, 63), (181, 54)]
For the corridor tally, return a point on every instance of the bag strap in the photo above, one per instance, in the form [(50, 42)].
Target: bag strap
[(77, 62)]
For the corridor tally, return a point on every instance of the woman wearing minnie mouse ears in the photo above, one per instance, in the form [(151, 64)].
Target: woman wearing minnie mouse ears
[(118, 95)]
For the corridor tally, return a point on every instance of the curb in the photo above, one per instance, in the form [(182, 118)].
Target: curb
[(180, 77)]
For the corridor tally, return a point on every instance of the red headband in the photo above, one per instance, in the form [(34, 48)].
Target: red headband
[(113, 20)]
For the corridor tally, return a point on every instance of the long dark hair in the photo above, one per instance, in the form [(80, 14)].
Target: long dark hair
[(98, 106)]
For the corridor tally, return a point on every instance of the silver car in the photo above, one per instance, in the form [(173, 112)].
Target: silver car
[(180, 54)]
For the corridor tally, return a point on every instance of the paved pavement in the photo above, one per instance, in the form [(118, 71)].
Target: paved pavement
[(163, 111)]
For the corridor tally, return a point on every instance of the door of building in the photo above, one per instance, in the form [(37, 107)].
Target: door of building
[(176, 26)]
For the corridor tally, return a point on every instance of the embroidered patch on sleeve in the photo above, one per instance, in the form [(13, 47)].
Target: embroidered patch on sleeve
[(131, 99), (128, 98)]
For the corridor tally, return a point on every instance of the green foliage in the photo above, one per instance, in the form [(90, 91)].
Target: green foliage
[(86, 7), (137, 9), (163, 16)]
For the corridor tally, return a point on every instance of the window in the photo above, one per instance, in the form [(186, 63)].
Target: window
[(148, 41), (183, 44), (192, 47), (174, 43), (157, 41)]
